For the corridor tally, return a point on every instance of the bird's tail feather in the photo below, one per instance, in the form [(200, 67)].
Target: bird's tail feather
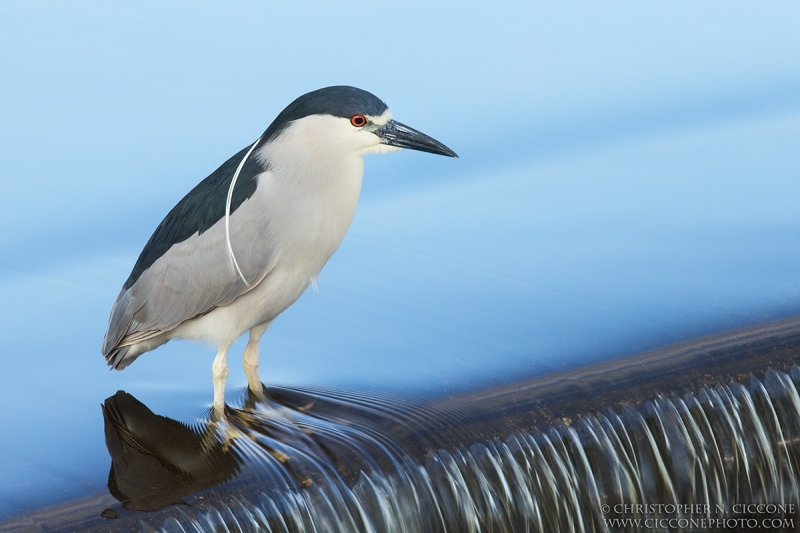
[(120, 358)]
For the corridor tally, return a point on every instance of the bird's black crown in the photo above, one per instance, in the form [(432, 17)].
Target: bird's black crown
[(338, 101)]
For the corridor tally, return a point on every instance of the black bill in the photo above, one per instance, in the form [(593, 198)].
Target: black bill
[(394, 133)]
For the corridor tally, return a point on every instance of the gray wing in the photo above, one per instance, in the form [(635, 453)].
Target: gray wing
[(185, 270)]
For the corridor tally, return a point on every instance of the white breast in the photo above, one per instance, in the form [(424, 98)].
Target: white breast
[(303, 207)]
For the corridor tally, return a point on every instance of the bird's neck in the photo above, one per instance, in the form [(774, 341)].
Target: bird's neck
[(318, 191), (313, 164)]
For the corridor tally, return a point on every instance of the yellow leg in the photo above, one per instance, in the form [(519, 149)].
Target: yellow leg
[(251, 359), (220, 372)]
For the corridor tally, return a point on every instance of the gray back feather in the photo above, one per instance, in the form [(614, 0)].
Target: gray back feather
[(190, 279), (200, 209)]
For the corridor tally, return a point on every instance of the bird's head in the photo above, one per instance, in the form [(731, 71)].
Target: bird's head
[(348, 120)]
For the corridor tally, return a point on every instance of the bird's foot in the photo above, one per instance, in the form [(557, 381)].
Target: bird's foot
[(255, 395), (256, 387), (221, 429), (219, 411)]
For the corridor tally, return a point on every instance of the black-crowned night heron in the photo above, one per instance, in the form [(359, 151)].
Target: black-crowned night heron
[(246, 242)]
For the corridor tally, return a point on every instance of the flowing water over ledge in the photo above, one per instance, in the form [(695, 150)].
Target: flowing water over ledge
[(683, 438)]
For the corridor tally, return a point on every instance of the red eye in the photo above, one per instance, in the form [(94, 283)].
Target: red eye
[(358, 120)]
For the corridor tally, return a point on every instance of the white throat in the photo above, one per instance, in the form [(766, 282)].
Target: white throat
[(315, 152)]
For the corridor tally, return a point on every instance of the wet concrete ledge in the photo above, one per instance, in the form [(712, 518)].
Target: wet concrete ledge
[(558, 397)]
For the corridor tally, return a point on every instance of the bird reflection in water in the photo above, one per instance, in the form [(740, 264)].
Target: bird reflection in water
[(290, 440), (157, 461)]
